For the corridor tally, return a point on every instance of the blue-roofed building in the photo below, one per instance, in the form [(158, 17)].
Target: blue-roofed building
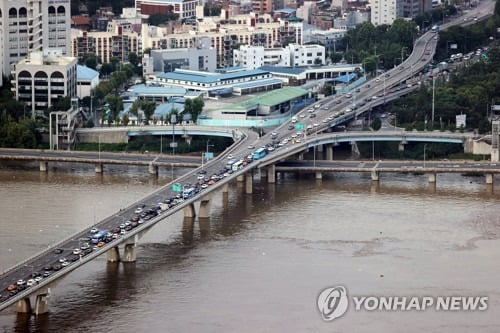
[(213, 83), (296, 76), (163, 110), (159, 93), (86, 80)]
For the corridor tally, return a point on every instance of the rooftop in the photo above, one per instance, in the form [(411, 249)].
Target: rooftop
[(270, 98), (142, 89), (205, 77), (164, 109), (85, 73)]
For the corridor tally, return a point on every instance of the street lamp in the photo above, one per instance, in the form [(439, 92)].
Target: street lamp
[(425, 146)]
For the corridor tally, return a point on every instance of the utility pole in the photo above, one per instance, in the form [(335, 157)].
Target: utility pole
[(433, 97)]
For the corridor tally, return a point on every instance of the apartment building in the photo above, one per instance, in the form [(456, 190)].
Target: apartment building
[(386, 11), (183, 8)]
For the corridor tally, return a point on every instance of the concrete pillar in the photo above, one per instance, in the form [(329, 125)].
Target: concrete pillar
[(329, 153), (319, 175), (375, 176), (301, 157), (43, 166), (489, 178), (42, 302), (98, 168), (401, 147), (225, 188), (130, 252), (248, 183), (240, 178), (153, 169), (432, 177), (271, 174), (23, 305), (113, 254), (205, 205), (189, 210), (319, 148), (354, 150), (188, 139), (495, 156), (263, 172)]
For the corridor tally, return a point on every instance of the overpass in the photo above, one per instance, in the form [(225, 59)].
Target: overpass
[(99, 159), (121, 134), (431, 168), (124, 246)]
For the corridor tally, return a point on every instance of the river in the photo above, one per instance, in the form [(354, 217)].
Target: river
[(260, 262)]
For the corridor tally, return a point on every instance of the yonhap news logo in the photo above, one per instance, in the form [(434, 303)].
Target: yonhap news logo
[(333, 303)]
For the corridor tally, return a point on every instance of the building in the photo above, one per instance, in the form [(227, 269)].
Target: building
[(196, 59), (262, 6), (183, 8), (386, 11), (57, 25), (42, 78), (269, 109), (412, 8), (16, 39), (106, 45), (157, 93), (300, 75), (328, 38), (86, 80), (207, 82), (253, 57)]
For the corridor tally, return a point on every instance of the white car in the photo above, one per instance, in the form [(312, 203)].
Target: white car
[(302, 116), (230, 156), (93, 230), (200, 176), (30, 282), (138, 210), (274, 133), (298, 141), (309, 126), (77, 251), (204, 186), (316, 125), (249, 147)]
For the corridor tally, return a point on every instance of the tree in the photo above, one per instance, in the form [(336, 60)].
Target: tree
[(376, 124), (336, 57), (62, 104), (115, 106), (106, 69), (196, 108), (90, 60), (317, 61), (148, 107), (133, 58), (328, 89), (125, 120)]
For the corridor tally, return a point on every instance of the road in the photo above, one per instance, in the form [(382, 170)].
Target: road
[(36, 264)]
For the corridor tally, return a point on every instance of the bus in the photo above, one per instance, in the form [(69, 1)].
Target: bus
[(435, 28), (259, 153), (188, 192), (98, 237), (230, 163), (237, 165)]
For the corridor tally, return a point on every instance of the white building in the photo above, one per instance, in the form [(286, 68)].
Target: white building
[(328, 38), (42, 78), (196, 59), (86, 80), (57, 25), (386, 11), (293, 55), (183, 8)]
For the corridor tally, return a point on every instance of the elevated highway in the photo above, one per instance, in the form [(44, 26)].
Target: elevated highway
[(123, 247)]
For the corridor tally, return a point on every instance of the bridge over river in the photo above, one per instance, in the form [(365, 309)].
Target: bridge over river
[(124, 246)]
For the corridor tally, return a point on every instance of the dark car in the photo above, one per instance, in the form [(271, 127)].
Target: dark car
[(48, 267), (291, 127), (46, 274), (56, 267), (58, 251), (312, 115)]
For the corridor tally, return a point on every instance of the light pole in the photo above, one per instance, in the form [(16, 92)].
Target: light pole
[(425, 146), (161, 144), (433, 98), (402, 56)]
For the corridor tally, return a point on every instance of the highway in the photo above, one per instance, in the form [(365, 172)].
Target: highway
[(240, 149), (96, 157)]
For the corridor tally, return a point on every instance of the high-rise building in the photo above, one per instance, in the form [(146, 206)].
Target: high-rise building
[(262, 6), (30, 25), (386, 11)]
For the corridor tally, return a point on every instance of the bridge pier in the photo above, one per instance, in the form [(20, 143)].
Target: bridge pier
[(205, 206), (113, 254), (225, 188), (189, 211), (375, 175), (42, 302), (300, 157), (43, 166), (355, 150), (98, 168), (495, 155), (23, 306), (320, 148), (240, 178), (432, 177), (271, 174), (248, 183), (130, 252), (329, 152), (401, 146), (489, 178), (188, 139), (153, 169), (319, 175)]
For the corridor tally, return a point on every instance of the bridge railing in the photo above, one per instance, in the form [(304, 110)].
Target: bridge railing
[(240, 139)]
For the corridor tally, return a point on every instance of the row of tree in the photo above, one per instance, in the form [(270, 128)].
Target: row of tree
[(471, 92)]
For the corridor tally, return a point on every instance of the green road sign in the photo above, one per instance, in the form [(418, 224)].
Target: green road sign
[(176, 188), (299, 127)]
